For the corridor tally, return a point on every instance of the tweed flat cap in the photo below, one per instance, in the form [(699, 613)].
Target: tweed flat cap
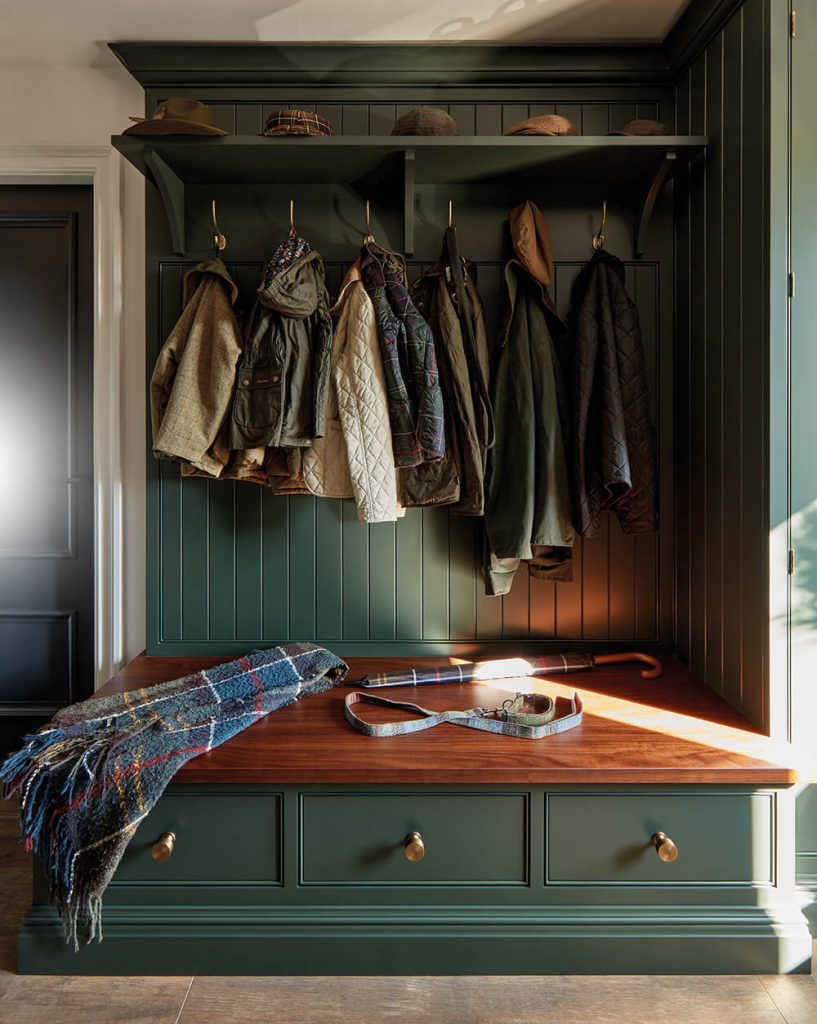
[(425, 121), (642, 126), (296, 122), (543, 124)]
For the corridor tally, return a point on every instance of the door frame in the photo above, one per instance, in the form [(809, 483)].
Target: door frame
[(95, 166)]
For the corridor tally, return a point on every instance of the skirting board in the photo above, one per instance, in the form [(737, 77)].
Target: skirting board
[(439, 941)]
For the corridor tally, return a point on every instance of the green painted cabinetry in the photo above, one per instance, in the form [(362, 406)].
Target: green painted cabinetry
[(515, 880)]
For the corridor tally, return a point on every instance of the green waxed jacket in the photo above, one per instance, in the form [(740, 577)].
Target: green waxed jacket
[(528, 504), (283, 379)]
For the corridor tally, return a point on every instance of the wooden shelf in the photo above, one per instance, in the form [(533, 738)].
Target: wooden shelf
[(666, 731), (173, 162)]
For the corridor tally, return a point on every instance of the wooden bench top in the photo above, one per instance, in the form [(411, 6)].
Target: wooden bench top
[(671, 730)]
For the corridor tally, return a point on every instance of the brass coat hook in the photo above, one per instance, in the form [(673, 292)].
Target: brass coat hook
[(292, 232), (450, 214), (598, 238), (368, 237), (219, 239)]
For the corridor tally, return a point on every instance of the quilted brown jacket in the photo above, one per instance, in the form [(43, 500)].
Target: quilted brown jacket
[(613, 451)]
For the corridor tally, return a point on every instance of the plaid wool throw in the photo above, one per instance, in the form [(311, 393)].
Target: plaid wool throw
[(88, 778)]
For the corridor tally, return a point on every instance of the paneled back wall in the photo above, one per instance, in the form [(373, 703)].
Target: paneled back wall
[(232, 565), (723, 366)]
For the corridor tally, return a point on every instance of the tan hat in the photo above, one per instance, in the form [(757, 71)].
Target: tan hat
[(176, 117), (642, 126), (425, 121), (543, 124)]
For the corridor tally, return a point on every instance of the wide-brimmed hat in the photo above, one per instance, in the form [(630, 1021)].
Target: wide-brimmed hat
[(543, 124), (296, 122), (642, 126), (176, 117), (425, 121)]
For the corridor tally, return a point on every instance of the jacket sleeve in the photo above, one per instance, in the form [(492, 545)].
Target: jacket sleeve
[(322, 364), (510, 477), (363, 411)]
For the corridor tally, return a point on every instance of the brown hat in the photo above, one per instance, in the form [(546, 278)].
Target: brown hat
[(544, 124), (425, 121), (176, 117), (296, 122), (642, 126)]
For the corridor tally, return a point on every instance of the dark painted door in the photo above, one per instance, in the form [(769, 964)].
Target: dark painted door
[(46, 453)]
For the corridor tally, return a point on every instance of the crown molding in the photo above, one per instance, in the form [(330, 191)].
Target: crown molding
[(694, 30), (230, 65)]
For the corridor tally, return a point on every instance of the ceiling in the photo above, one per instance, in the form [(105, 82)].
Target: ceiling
[(75, 31)]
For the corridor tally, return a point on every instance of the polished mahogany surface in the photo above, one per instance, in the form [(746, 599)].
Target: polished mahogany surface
[(664, 731)]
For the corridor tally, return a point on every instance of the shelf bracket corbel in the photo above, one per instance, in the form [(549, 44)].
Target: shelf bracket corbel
[(408, 201), (662, 173), (171, 189)]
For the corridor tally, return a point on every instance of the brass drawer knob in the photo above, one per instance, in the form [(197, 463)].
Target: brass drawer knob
[(415, 847), (664, 847), (164, 846)]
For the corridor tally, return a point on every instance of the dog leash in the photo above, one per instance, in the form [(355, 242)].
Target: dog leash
[(509, 719)]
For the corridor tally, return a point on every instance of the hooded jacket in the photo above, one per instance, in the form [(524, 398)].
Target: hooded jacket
[(447, 297), (409, 360), (282, 382), (354, 458), (191, 389), (527, 505), (613, 447)]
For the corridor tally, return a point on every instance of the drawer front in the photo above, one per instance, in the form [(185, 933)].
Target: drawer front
[(470, 839), (220, 838), (724, 838)]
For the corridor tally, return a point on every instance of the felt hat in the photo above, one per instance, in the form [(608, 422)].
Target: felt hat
[(176, 117), (642, 126), (425, 121), (296, 122), (543, 124)]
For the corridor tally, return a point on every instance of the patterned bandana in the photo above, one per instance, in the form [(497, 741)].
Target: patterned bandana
[(288, 252)]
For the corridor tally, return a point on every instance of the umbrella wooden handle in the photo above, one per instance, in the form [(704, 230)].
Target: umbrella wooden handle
[(655, 671)]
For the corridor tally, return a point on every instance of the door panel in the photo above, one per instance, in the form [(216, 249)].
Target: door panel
[(46, 455)]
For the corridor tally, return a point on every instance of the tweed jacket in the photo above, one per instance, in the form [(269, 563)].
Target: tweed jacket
[(280, 397), (457, 320), (354, 458), (191, 389), (613, 447), (528, 512), (409, 360)]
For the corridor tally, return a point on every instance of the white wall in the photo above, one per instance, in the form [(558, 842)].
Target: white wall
[(84, 106)]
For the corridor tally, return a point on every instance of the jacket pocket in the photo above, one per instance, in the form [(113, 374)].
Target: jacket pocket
[(257, 398)]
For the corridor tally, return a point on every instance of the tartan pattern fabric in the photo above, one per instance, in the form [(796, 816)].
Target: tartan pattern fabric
[(409, 361), (88, 778), (296, 122)]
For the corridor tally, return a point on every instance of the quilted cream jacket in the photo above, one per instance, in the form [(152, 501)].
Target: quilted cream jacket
[(355, 458)]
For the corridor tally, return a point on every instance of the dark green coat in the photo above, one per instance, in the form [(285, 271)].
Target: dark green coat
[(528, 505)]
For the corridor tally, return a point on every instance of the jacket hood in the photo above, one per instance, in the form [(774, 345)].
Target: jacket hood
[(531, 241), (213, 268), (296, 291)]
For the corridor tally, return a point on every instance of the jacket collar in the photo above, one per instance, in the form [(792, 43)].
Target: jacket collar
[(531, 242), (295, 290)]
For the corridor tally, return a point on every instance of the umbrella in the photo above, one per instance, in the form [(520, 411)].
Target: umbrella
[(510, 668)]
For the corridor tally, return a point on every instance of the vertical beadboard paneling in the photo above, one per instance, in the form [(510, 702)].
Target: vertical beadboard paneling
[(241, 565), (721, 368), (221, 558)]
